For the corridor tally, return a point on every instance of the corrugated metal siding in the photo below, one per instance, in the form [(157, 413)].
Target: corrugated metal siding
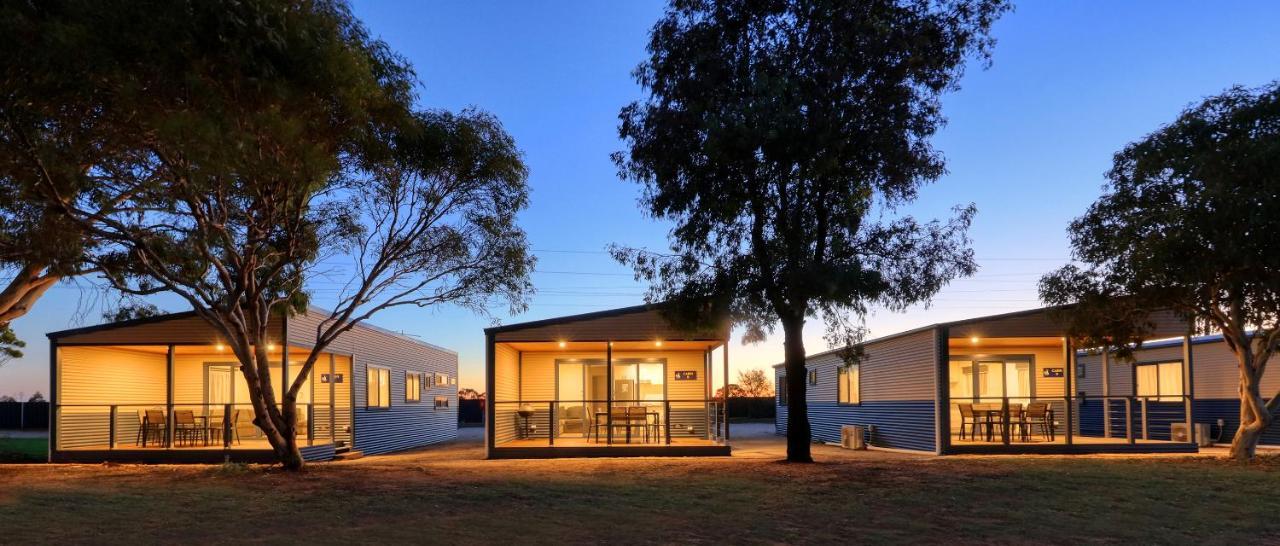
[(506, 380), (404, 425), (101, 377), (898, 369), (1210, 410), (898, 425), (638, 326), (897, 388), (780, 410), (1160, 416)]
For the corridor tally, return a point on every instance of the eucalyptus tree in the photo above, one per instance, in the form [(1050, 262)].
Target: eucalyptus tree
[(281, 145), (782, 138), (1186, 224)]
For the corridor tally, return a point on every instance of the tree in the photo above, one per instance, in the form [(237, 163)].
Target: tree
[(61, 137), (37, 397), (131, 311), (781, 138), (285, 145), (755, 383), (7, 398), (1185, 224), (734, 391), (470, 394)]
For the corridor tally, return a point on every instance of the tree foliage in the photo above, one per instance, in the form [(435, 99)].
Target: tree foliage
[(781, 138), (280, 147), (755, 383), (1186, 224)]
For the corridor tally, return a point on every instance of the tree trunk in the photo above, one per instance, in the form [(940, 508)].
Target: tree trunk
[(799, 434), (1254, 420)]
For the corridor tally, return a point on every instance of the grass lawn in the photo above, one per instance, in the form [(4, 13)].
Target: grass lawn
[(448, 495), (21, 450)]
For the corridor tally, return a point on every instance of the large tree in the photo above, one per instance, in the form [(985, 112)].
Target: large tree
[(286, 147), (782, 137), (1186, 224)]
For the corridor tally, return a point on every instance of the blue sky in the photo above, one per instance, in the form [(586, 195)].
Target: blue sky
[(1028, 141)]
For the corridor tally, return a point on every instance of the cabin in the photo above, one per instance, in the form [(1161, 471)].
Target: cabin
[(1154, 377), (166, 389), (1009, 383), (622, 382)]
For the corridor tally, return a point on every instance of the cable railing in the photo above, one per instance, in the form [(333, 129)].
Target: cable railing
[(1027, 419), (609, 422), (184, 426)]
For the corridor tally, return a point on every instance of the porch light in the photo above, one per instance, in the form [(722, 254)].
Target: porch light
[(973, 340), (271, 346), (562, 344), (657, 343), (219, 347)]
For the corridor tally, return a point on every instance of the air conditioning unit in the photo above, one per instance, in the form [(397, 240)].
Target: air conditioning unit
[(853, 437), (1179, 433)]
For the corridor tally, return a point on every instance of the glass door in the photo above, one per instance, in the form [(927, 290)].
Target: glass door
[(570, 395)]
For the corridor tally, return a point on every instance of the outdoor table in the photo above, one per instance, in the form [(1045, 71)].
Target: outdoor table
[(605, 414)]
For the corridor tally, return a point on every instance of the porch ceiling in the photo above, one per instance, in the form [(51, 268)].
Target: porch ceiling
[(600, 346), (1043, 323)]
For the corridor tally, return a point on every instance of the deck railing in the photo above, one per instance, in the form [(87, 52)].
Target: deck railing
[(648, 421), (157, 426), (1006, 419)]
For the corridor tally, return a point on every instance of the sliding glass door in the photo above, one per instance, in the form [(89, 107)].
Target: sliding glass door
[(580, 395), (991, 379)]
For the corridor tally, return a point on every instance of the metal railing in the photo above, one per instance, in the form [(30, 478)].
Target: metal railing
[(1006, 419), (177, 426), (609, 422)]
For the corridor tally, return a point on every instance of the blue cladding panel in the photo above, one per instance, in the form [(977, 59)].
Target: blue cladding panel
[(1209, 411), (899, 424), (1160, 416)]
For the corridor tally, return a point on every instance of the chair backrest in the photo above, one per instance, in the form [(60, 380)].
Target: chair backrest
[(142, 417), (155, 417), (966, 410), (1037, 409), (639, 412), (619, 412), (1015, 409), (184, 417)]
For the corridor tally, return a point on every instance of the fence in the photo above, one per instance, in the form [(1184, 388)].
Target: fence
[(752, 408), (470, 411), (24, 415)]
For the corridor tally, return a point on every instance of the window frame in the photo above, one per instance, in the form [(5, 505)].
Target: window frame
[(812, 376), (412, 387), (1160, 395), (782, 390), (842, 389), (382, 389), (438, 400)]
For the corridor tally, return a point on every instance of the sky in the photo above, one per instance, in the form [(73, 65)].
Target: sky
[(1028, 141)]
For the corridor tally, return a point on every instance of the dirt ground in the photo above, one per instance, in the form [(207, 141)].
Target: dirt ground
[(448, 493)]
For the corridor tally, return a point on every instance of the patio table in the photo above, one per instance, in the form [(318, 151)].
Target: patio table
[(605, 414)]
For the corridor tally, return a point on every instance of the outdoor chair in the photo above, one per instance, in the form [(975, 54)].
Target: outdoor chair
[(970, 420), (217, 425), (153, 424), (186, 429), (1038, 417)]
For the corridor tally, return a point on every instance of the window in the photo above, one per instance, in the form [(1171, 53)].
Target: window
[(782, 390), (849, 384), (412, 387), (813, 377), (442, 402), (378, 389), (1161, 381), (441, 380)]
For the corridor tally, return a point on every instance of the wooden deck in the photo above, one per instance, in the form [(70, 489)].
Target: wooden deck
[(567, 447), (247, 451), (1059, 445)]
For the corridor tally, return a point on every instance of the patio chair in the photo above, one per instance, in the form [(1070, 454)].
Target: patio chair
[(969, 419), (153, 423), (1038, 417), (186, 429), (217, 425)]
